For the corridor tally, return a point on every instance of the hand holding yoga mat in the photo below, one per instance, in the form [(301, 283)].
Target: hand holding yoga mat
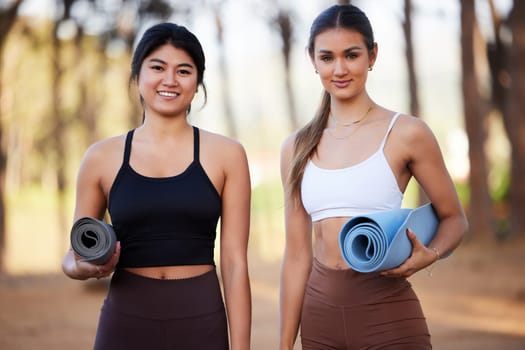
[(378, 241), (93, 240)]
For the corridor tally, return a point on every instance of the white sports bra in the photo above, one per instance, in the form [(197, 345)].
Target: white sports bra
[(367, 187)]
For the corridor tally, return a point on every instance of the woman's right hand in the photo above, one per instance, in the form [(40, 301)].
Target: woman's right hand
[(75, 268)]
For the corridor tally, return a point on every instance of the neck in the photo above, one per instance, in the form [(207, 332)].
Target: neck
[(161, 128), (348, 116)]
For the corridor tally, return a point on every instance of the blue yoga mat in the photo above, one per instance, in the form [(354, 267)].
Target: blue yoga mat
[(93, 240), (378, 241)]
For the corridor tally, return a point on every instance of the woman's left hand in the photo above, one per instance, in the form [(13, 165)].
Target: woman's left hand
[(420, 258)]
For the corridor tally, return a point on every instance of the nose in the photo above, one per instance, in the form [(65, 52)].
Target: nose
[(169, 78), (340, 67)]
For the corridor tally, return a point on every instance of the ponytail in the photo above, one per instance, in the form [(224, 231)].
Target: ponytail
[(305, 146)]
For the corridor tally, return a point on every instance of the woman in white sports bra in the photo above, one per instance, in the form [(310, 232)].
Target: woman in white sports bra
[(355, 157)]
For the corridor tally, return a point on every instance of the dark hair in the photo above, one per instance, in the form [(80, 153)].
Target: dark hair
[(306, 141), (176, 35), (342, 16)]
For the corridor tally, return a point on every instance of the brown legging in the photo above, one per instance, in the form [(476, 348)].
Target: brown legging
[(147, 313), (348, 310)]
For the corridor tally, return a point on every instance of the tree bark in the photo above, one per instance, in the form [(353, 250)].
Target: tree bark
[(285, 28), (412, 77), (516, 117), (59, 130), (223, 70), (411, 65), (479, 209)]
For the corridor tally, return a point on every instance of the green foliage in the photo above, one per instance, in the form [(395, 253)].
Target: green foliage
[(501, 186), (267, 219), (463, 190)]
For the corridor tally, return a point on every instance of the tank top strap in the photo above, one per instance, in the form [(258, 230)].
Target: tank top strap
[(127, 147), (196, 144), (392, 122)]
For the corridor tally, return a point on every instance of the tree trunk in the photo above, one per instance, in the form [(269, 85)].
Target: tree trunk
[(59, 130), (223, 70), (479, 210), (412, 77), (409, 51), (516, 117), (285, 28), (87, 107), (7, 20)]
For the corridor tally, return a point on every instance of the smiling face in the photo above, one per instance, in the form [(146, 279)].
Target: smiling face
[(342, 60), (167, 81)]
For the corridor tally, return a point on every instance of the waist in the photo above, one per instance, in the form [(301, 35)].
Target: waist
[(326, 246), (352, 288), (152, 298), (166, 252), (171, 272)]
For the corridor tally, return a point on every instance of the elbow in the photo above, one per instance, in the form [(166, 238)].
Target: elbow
[(463, 225)]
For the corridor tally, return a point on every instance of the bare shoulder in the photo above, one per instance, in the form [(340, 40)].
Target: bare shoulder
[(413, 140), (102, 160), (412, 129), (101, 163), (106, 150)]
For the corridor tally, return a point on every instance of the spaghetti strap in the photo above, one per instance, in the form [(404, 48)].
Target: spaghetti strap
[(394, 118), (127, 147), (195, 144)]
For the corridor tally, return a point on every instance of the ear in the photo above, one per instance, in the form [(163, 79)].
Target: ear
[(312, 61), (373, 56)]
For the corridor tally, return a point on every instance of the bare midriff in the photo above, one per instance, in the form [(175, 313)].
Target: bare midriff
[(171, 272), (326, 245)]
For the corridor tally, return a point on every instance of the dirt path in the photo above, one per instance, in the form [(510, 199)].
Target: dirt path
[(474, 300)]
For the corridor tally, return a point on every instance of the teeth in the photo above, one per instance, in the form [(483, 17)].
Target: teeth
[(167, 94)]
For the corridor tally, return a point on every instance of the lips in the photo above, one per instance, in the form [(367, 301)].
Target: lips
[(341, 83)]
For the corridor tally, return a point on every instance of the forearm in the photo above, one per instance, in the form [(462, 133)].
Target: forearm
[(294, 277), (449, 235), (237, 297)]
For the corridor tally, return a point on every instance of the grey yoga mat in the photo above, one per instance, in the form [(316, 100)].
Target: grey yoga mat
[(93, 240), (378, 241)]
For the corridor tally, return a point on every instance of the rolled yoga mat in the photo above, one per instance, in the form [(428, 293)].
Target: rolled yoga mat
[(378, 241), (93, 240)]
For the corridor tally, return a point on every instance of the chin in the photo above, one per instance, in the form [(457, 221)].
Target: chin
[(343, 96)]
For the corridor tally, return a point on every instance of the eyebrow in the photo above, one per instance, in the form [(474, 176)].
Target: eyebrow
[(158, 60), (350, 49)]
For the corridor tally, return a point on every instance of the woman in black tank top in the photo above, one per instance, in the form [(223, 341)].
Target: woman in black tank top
[(165, 185), (334, 306)]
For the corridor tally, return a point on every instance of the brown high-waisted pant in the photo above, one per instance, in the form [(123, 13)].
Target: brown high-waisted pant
[(348, 310), (146, 313)]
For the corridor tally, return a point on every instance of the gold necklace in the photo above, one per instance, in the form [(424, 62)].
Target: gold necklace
[(355, 122)]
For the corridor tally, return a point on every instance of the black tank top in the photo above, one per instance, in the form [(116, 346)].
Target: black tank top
[(164, 221)]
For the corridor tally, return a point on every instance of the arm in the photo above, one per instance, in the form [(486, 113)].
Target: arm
[(90, 202), (235, 225), (297, 260), (425, 162)]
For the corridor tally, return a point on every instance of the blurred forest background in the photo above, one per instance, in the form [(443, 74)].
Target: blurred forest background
[(458, 64)]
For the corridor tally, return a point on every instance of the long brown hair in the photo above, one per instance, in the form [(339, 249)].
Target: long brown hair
[(307, 138)]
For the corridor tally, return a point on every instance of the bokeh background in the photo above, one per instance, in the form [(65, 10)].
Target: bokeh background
[(457, 64)]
